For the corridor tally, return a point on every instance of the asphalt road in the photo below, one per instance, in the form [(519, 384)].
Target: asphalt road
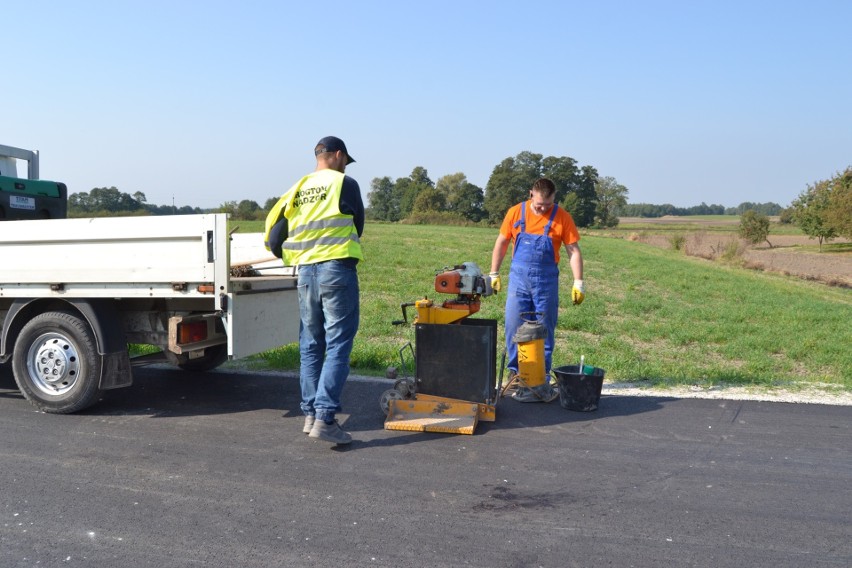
[(213, 470)]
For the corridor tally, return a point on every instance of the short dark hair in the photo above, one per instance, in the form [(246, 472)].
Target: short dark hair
[(544, 186)]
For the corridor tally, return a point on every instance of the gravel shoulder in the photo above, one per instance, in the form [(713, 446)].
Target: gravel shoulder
[(810, 395)]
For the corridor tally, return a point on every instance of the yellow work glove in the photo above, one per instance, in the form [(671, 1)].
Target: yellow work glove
[(495, 281), (578, 292)]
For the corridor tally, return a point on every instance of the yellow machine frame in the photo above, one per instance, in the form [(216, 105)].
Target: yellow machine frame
[(428, 412)]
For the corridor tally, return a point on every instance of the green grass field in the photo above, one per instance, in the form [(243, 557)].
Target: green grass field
[(650, 314)]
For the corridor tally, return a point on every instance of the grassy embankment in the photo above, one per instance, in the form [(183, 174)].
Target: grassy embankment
[(650, 315)]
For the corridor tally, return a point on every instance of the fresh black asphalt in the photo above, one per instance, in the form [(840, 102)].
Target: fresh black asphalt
[(214, 470)]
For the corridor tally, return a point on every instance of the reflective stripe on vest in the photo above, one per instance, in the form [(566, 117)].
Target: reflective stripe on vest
[(317, 230), (304, 245)]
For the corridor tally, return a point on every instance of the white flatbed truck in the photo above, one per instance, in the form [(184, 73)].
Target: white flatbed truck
[(75, 292)]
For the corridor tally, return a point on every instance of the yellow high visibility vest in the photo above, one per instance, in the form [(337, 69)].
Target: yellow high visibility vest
[(317, 230)]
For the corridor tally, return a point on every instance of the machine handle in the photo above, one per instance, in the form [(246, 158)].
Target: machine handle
[(402, 359), (404, 319)]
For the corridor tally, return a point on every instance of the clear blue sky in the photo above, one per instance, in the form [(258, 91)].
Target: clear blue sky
[(207, 102)]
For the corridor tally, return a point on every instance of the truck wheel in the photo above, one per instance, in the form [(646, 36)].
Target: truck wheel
[(212, 358), (56, 364)]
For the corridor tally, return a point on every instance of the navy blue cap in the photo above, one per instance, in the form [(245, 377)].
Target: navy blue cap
[(332, 144)]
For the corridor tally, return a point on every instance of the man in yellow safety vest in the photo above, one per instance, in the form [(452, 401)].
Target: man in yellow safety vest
[(317, 226)]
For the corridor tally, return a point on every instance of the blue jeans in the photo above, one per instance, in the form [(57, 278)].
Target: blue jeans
[(329, 314)]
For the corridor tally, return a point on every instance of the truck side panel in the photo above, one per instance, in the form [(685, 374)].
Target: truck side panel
[(266, 317), (180, 260), (99, 253)]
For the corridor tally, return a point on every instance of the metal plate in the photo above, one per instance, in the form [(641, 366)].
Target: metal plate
[(457, 360)]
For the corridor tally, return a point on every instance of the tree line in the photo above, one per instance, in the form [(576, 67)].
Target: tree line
[(591, 199), (453, 199), (650, 210), (823, 210), (109, 201)]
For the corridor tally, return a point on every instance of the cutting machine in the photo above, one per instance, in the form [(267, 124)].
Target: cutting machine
[(454, 384)]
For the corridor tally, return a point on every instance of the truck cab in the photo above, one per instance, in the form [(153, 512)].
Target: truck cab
[(30, 197)]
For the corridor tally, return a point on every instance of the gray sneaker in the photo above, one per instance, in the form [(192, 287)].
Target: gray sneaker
[(330, 432), (309, 423)]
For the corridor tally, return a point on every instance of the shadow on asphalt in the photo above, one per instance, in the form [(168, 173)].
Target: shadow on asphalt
[(8, 387), (167, 392)]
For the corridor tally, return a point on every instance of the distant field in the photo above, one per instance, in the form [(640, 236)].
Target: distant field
[(668, 219), (710, 223), (651, 314), (716, 237)]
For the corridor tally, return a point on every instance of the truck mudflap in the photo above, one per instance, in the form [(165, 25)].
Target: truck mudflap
[(112, 343), (115, 372)]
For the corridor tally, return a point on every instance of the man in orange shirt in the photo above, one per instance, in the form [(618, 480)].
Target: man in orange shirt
[(536, 227)]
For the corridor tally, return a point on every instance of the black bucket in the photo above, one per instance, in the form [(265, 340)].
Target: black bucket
[(578, 391)]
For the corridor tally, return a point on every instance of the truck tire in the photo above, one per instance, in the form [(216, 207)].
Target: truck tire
[(212, 358), (56, 363)]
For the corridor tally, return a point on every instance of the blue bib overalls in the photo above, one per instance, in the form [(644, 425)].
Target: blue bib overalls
[(533, 287)]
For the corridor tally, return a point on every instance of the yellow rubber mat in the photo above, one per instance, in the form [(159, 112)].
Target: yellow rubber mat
[(432, 416)]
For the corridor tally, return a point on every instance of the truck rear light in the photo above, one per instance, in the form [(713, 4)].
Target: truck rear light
[(192, 332)]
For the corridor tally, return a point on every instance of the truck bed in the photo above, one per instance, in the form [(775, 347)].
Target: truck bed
[(163, 256), (182, 259)]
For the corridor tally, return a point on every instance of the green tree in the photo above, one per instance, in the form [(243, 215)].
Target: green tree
[(104, 200), (430, 199), (404, 195), (248, 210), (229, 207), (810, 212), (110, 199), (562, 172), (383, 200), (79, 202), (571, 203), (768, 208), (611, 196), (511, 180), (407, 189), (505, 187), (754, 227), (270, 203), (838, 214), (648, 210), (462, 197), (587, 200)]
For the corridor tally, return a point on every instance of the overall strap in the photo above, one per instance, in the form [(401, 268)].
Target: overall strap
[(523, 220), (550, 221)]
